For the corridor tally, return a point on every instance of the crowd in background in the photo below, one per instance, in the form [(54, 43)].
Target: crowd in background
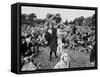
[(74, 36)]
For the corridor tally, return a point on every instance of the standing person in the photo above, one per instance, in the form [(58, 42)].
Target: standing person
[(92, 55), (23, 46), (28, 39), (54, 44), (48, 34), (51, 38), (59, 40)]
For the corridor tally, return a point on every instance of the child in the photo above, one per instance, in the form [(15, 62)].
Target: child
[(64, 62)]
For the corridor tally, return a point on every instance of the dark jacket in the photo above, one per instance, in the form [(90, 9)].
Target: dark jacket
[(23, 48), (54, 35), (51, 38)]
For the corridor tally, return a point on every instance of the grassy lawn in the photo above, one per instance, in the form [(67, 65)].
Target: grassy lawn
[(78, 59)]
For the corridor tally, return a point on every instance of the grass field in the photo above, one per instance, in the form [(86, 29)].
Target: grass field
[(77, 58)]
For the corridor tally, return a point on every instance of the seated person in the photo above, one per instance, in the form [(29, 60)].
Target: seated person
[(28, 39), (30, 64), (64, 62), (23, 46)]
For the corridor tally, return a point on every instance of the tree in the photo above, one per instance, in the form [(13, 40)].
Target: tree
[(58, 18), (71, 22), (49, 15), (32, 17), (93, 19), (88, 21), (66, 22), (39, 21), (24, 16), (54, 18), (78, 21)]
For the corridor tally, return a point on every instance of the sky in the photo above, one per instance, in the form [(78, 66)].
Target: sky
[(69, 14)]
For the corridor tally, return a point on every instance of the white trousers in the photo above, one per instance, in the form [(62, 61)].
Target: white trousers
[(59, 48)]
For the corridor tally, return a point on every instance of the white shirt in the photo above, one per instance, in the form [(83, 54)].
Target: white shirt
[(61, 64), (50, 31), (58, 31), (29, 66)]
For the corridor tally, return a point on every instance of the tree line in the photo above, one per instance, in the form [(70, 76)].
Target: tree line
[(32, 20)]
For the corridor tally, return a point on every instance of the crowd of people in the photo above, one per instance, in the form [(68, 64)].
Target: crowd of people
[(56, 36)]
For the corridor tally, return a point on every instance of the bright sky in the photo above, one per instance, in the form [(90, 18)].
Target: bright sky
[(68, 14)]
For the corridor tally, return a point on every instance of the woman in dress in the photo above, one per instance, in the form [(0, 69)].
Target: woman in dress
[(59, 40)]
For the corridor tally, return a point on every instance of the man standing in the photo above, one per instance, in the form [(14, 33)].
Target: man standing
[(51, 37), (53, 44)]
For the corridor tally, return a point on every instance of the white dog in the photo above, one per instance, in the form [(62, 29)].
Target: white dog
[(64, 62)]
